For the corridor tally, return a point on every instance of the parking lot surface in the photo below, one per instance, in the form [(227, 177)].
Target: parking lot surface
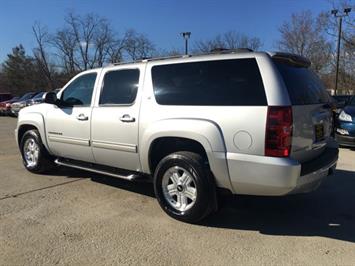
[(80, 218)]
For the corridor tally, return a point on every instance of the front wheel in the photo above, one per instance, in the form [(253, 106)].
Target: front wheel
[(184, 186), (35, 157)]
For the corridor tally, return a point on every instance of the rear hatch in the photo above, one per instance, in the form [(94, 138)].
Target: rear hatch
[(311, 109)]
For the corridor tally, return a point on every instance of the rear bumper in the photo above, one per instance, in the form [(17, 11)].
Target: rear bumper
[(268, 176), (345, 140)]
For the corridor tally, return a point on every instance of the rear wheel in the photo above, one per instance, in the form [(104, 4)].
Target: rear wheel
[(184, 186), (35, 157)]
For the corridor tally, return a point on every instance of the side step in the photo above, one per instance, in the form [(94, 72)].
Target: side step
[(99, 169)]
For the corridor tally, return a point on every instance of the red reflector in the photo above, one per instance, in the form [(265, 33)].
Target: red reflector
[(278, 131)]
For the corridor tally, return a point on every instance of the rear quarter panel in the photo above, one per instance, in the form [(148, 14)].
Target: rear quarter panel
[(240, 128)]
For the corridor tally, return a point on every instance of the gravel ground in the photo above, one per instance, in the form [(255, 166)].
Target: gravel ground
[(75, 217)]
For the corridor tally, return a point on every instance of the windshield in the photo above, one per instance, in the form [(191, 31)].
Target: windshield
[(341, 98), (26, 96), (352, 102), (39, 96)]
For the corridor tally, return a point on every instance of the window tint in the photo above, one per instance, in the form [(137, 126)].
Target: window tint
[(39, 95), (223, 82), (79, 92), (352, 101), (342, 98), (26, 96), (5, 97), (120, 87), (303, 85)]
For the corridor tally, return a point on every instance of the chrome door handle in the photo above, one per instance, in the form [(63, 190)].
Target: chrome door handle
[(127, 118), (82, 117)]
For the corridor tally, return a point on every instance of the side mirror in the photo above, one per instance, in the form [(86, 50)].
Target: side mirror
[(50, 97)]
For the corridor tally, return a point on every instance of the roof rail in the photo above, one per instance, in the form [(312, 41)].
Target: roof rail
[(166, 57), (148, 59), (228, 51), (213, 51)]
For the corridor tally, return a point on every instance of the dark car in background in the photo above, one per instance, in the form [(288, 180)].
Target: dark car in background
[(38, 98), (21, 103), (5, 96), (5, 107), (345, 124), (342, 100)]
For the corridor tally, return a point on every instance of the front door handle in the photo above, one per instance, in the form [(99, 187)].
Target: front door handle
[(82, 117), (127, 118)]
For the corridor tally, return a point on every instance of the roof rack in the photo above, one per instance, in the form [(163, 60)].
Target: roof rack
[(148, 59), (230, 51), (213, 51)]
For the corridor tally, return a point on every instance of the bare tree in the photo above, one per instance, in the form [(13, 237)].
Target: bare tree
[(228, 40), (137, 45), (303, 35), (309, 36), (41, 55), (65, 44), (86, 41), (102, 42), (115, 50), (347, 54), (89, 41)]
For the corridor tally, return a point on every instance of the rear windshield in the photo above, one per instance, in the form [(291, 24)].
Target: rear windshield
[(220, 82), (342, 98), (303, 85)]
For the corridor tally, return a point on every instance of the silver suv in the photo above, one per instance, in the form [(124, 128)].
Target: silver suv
[(251, 123)]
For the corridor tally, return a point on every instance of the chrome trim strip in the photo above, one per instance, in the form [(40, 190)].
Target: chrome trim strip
[(129, 177), (75, 141), (114, 146)]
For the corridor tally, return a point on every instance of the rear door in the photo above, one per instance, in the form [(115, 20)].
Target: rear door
[(312, 116), (115, 118)]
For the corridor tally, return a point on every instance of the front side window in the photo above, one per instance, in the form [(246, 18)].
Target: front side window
[(79, 92), (120, 87)]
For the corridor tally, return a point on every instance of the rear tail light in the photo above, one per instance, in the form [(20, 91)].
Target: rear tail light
[(278, 131)]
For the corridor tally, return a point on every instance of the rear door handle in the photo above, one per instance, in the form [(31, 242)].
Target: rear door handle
[(127, 118), (82, 117)]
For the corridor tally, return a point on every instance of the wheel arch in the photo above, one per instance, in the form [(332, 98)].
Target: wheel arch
[(30, 121), (204, 136)]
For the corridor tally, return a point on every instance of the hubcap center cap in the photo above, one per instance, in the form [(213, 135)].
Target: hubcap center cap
[(180, 188)]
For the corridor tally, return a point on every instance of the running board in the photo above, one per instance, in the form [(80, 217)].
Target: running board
[(86, 167)]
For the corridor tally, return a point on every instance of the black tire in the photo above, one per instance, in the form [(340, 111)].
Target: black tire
[(45, 162), (203, 179)]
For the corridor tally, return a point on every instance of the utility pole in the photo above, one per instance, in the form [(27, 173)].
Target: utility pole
[(340, 16), (186, 35)]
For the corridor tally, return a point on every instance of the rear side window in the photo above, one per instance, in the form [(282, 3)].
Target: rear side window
[(120, 87), (303, 85), (223, 82)]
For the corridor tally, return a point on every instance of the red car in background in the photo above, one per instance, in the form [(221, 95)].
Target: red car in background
[(5, 106)]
